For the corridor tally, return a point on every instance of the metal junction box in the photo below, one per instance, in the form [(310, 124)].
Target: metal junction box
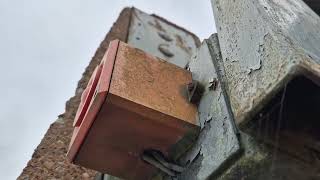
[(133, 102)]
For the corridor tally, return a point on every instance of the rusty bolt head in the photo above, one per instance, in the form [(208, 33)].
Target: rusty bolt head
[(213, 84)]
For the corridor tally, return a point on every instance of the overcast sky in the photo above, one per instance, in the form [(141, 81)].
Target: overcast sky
[(46, 45)]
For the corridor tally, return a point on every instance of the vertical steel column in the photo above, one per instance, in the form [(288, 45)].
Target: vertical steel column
[(265, 44)]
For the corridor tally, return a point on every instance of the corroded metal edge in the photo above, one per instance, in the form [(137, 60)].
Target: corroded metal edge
[(218, 142)]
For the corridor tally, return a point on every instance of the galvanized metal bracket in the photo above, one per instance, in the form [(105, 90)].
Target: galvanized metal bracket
[(218, 142)]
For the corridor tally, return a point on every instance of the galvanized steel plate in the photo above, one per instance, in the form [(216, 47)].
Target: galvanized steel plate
[(161, 38)]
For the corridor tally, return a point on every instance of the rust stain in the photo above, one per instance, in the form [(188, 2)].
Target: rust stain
[(164, 49), (196, 39), (157, 25), (165, 36), (182, 45)]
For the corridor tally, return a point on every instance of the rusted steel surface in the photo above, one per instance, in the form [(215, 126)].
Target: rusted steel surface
[(143, 106), (153, 83), (265, 44), (161, 38)]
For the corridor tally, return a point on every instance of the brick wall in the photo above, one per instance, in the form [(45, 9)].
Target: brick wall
[(49, 159)]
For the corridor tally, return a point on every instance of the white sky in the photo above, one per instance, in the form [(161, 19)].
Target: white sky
[(44, 48)]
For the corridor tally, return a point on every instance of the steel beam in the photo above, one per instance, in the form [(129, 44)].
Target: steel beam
[(264, 45)]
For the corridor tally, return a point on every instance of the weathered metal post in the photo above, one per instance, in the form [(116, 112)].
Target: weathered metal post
[(264, 45), (270, 64)]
